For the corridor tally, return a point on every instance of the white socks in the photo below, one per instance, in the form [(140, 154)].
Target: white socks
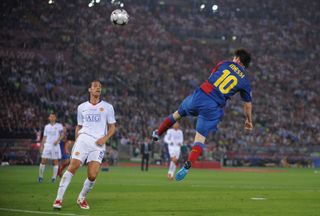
[(172, 168), (87, 186), (65, 181), (55, 171), (41, 170)]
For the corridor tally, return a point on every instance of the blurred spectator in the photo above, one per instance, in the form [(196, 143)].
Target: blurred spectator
[(48, 53)]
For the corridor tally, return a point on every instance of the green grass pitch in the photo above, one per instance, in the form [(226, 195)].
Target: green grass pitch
[(128, 191)]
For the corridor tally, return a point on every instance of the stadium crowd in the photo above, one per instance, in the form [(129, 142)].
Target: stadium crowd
[(150, 65)]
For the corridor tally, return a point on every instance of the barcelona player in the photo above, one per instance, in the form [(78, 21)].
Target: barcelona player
[(65, 147), (207, 102)]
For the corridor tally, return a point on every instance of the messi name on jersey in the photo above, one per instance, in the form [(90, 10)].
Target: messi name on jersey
[(92, 117)]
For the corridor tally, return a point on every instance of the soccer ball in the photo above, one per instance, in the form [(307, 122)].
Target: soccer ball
[(119, 17)]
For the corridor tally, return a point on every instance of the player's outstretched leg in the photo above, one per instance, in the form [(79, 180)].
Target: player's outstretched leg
[(183, 171), (165, 125), (194, 155), (155, 136)]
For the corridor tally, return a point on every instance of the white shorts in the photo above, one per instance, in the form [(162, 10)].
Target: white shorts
[(51, 152), (85, 148), (174, 151)]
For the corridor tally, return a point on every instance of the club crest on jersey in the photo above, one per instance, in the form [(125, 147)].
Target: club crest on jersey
[(92, 117), (101, 109)]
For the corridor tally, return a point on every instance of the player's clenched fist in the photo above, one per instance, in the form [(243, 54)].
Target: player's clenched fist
[(248, 125), (101, 141)]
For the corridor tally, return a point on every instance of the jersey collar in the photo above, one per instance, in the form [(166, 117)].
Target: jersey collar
[(96, 103)]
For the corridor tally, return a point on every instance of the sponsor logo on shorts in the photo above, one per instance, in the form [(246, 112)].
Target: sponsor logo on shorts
[(101, 154), (92, 117), (77, 153)]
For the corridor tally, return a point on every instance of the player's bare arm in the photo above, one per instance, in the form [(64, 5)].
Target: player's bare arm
[(247, 107), (44, 138), (111, 131), (59, 139)]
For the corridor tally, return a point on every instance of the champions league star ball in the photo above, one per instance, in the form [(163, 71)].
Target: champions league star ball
[(119, 17)]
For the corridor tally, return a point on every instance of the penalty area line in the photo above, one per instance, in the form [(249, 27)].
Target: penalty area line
[(39, 212)]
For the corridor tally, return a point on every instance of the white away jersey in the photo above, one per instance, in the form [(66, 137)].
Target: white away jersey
[(52, 132), (94, 118), (174, 136)]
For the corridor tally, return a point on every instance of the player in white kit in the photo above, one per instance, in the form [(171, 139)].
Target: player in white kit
[(174, 139), (53, 133), (96, 124)]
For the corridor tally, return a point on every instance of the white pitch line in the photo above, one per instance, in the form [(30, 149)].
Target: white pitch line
[(39, 212), (258, 198)]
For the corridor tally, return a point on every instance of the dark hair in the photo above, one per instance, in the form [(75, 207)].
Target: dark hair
[(90, 84), (244, 55)]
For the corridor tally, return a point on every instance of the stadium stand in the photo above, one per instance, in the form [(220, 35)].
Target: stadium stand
[(49, 53)]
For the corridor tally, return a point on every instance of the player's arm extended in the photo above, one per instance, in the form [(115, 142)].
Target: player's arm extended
[(78, 128), (247, 107), (111, 131)]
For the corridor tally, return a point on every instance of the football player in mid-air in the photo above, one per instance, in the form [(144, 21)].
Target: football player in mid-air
[(207, 102)]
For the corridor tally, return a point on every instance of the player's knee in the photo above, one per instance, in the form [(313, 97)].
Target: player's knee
[(72, 170), (199, 137), (92, 176), (176, 115), (73, 167)]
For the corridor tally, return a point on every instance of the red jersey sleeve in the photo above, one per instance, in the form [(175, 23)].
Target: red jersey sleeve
[(216, 67)]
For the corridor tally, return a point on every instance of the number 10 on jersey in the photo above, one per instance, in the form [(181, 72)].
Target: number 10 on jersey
[(226, 82)]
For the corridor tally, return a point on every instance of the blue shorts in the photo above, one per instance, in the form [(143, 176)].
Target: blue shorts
[(65, 156), (208, 111)]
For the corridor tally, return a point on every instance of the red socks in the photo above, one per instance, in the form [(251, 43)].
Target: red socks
[(166, 124), (195, 153), (61, 168)]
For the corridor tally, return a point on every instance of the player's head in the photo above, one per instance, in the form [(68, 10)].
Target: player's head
[(176, 126), (242, 56), (52, 118), (95, 88)]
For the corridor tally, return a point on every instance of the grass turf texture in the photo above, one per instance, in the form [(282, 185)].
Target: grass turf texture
[(128, 191)]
